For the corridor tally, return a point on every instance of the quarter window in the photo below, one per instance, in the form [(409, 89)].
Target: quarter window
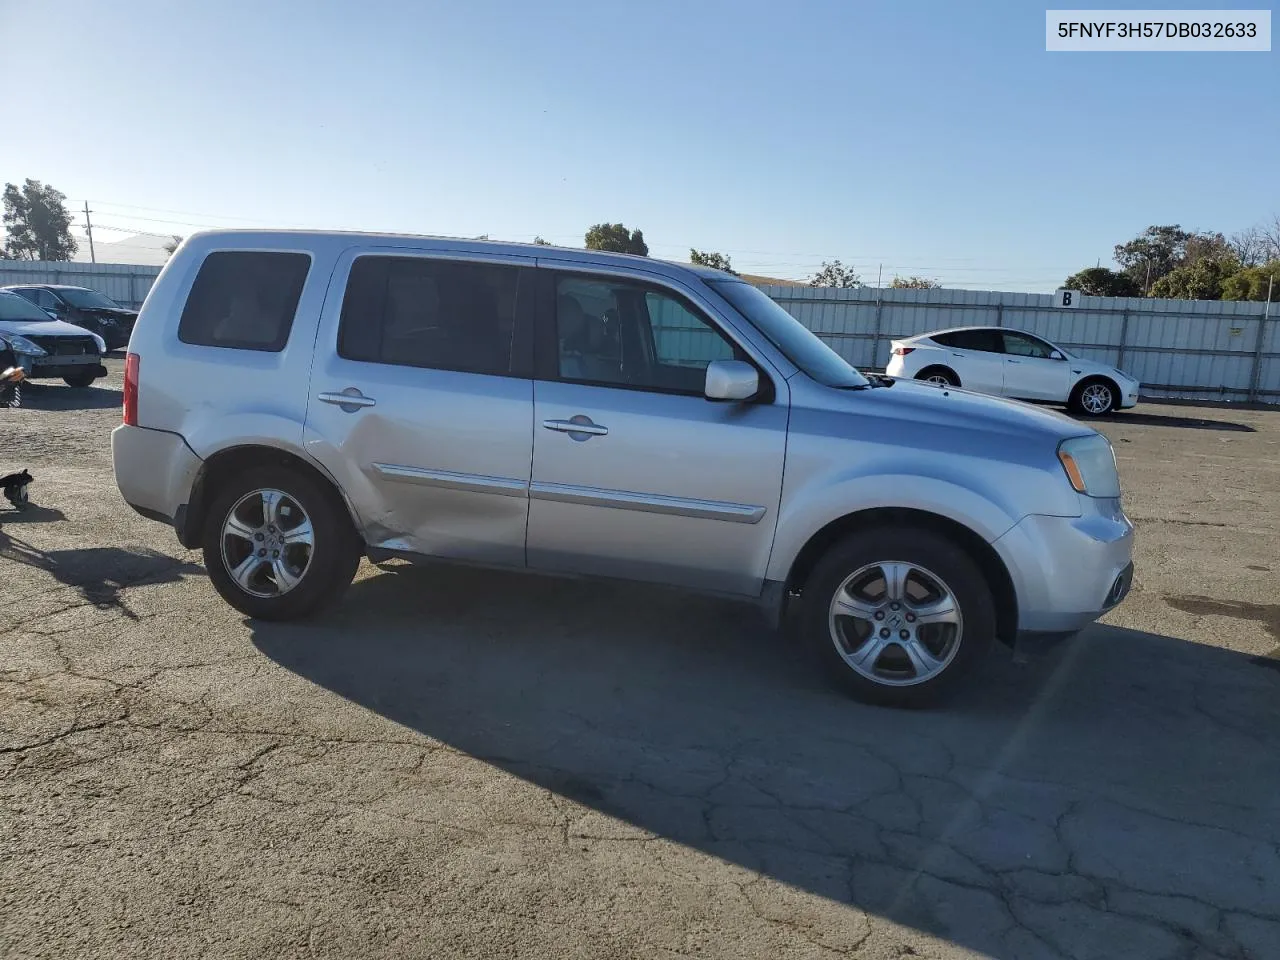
[(422, 312), (244, 299)]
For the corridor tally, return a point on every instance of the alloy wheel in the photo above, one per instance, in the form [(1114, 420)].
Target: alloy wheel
[(1096, 398), (267, 542), (895, 623)]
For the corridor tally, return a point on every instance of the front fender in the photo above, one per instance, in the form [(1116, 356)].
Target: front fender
[(816, 506)]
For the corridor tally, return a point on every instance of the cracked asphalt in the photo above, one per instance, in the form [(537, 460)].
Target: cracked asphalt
[(459, 763)]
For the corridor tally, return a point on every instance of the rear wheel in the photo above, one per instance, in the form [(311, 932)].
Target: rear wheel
[(80, 380), (1094, 398), (940, 376), (278, 544), (898, 616)]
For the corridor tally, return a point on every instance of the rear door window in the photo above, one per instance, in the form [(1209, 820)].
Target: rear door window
[(987, 341), (425, 312), (244, 300)]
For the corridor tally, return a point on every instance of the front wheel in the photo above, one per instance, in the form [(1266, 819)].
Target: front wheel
[(898, 615), (80, 380), (278, 544)]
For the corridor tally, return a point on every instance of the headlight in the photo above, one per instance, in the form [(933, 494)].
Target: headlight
[(23, 345), (1090, 465), (102, 344)]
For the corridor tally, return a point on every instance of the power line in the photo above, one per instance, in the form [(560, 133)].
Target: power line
[(802, 262), (187, 213)]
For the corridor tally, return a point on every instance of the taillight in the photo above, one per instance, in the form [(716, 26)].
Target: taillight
[(902, 351), (131, 364)]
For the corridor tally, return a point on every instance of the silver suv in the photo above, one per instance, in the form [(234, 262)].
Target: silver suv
[(294, 401)]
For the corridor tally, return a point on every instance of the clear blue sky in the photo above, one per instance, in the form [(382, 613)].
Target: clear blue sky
[(935, 137)]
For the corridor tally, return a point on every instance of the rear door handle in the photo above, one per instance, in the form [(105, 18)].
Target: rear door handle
[(350, 399), (1011, 360), (579, 424)]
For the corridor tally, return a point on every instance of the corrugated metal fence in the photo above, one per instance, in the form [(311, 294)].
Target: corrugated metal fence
[(1196, 349), (125, 283), (1199, 349)]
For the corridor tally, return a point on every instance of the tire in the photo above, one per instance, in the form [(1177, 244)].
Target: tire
[(80, 380), (323, 571), (1094, 397), (892, 677), (942, 376)]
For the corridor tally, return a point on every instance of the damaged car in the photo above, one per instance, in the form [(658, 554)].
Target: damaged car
[(94, 311), (49, 349)]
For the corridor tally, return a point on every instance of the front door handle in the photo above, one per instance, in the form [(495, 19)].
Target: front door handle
[(1011, 360), (578, 427), (349, 400)]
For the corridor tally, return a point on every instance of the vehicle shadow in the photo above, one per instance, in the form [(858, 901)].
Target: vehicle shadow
[(99, 574), (1163, 420), (48, 396), (1056, 809)]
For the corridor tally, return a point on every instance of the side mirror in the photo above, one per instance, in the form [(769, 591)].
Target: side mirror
[(731, 380), (1056, 355)]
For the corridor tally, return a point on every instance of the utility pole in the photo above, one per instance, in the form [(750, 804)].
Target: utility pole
[(880, 277), (88, 228)]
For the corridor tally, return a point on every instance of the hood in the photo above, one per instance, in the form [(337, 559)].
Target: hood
[(109, 313), (43, 328), (915, 405)]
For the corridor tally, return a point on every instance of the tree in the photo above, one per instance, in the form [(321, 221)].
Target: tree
[(616, 238), (173, 243), (1252, 283), (1270, 234), (913, 283), (1102, 282), (1152, 254), (835, 274), (37, 223), (1210, 246), (539, 242), (1250, 246), (717, 261), (1200, 280)]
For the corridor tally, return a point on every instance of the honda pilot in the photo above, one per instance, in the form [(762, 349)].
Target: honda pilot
[(296, 401)]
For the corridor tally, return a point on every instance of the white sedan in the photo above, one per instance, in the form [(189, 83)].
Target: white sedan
[(1010, 363)]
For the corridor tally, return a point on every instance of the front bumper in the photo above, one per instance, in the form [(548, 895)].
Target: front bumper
[(1068, 571), (55, 367)]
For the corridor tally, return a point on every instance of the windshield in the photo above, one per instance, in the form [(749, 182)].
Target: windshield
[(789, 335), (89, 299), (13, 307)]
